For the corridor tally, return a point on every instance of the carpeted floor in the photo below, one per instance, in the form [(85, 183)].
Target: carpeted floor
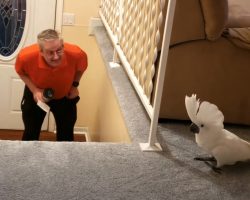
[(97, 171), (65, 171)]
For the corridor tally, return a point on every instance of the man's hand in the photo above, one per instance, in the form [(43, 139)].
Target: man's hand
[(73, 93), (38, 95), (37, 92)]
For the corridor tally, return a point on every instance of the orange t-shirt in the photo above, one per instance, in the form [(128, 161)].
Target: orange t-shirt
[(60, 78)]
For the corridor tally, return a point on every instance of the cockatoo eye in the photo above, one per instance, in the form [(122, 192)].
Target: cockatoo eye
[(202, 125)]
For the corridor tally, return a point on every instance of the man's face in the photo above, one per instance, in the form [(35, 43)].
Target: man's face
[(52, 52)]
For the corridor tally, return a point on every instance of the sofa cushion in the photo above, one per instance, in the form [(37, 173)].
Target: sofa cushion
[(239, 36), (239, 13), (215, 14)]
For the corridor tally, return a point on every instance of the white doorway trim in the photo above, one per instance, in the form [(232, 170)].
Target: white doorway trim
[(59, 15)]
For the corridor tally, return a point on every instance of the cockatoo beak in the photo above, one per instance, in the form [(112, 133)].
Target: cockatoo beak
[(194, 128)]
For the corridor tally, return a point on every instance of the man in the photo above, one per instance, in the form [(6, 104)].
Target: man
[(50, 64)]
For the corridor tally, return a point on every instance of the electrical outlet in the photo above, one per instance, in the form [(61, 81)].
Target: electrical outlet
[(68, 19)]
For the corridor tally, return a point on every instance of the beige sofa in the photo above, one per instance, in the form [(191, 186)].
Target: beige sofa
[(205, 59)]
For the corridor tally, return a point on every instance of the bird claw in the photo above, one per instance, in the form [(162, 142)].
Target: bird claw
[(214, 168), (208, 158)]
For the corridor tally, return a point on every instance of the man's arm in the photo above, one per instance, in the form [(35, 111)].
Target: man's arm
[(78, 76), (74, 91), (37, 93)]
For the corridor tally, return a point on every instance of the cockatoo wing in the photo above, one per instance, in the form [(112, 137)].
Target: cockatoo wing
[(209, 114), (192, 106)]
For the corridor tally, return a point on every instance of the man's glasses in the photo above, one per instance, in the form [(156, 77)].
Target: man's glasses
[(50, 53)]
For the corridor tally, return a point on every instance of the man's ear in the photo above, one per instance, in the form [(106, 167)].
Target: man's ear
[(62, 42), (40, 48)]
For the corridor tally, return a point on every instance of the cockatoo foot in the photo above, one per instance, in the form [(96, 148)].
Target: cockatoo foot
[(210, 161), (214, 168), (207, 158)]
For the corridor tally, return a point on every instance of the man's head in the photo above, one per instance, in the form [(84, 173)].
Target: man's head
[(51, 46)]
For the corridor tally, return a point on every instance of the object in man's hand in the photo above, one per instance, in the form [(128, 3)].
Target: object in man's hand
[(48, 94), (75, 84), (43, 106)]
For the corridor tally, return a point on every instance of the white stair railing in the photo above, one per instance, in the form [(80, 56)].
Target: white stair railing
[(134, 27)]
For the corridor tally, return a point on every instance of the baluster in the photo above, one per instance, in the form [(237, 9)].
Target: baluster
[(114, 13), (111, 14), (117, 17), (137, 36), (159, 20), (125, 24), (143, 39), (152, 53), (120, 21), (132, 33), (128, 32), (146, 62), (105, 10)]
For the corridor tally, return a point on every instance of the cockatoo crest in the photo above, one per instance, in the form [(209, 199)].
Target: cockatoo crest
[(192, 106), (204, 113)]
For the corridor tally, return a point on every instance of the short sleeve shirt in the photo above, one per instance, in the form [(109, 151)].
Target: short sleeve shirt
[(60, 78)]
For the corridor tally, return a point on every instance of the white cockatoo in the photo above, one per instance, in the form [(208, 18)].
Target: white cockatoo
[(225, 147)]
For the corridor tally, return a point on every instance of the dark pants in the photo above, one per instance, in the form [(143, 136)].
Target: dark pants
[(64, 111)]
